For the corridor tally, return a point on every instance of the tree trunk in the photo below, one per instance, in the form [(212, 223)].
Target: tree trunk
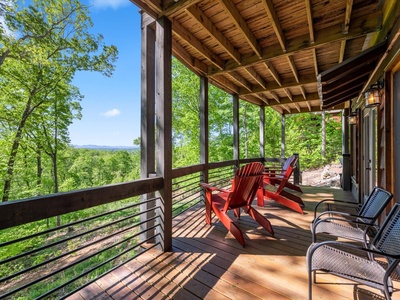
[(323, 144)]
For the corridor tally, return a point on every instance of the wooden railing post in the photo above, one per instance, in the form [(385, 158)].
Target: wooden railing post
[(147, 131), (296, 172), (204, 131)]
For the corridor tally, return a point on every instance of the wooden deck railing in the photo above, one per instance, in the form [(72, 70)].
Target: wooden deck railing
[(98, 229)]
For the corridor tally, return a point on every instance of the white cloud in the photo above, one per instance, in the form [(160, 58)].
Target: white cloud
[(114, 4), (112, 113)]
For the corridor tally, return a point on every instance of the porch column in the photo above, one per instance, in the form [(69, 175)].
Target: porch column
[(346, 166), (147, 130), (283, 137), (164, 127), (204, 130), (236, 150), (262, 132)]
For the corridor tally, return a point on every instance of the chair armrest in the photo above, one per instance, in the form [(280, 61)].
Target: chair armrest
[(211, 188), (333, 201), (355, 222), (342, 214), (355, 249)]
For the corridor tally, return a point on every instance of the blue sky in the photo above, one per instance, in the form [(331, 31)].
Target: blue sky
[(111, 106)]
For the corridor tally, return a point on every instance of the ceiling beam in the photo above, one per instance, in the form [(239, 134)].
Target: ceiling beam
[(273, 72), (197, 45), (285, 84), (208, 25), (347, 16), (256, 77), (242, 26), (240, 80), (269, 8), (293, 67), (310, 21), (192, 63)]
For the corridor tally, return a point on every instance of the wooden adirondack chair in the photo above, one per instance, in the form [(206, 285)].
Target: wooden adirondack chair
[(242, 193), (276, 175), (270, 191)]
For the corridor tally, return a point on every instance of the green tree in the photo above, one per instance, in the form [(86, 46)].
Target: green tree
[(50, 42)]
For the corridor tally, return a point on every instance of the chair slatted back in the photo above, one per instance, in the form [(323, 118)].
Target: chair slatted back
[(387, 239), (287, 173), (245, 184), (374, 205)]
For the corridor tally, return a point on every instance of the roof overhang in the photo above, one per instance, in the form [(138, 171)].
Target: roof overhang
[(346, 80)]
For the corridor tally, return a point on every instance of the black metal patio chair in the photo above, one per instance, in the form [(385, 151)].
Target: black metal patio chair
[(360, 227), (372, 266)]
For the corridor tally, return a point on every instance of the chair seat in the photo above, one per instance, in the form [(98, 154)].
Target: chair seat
[(343, 230), (349, 266)]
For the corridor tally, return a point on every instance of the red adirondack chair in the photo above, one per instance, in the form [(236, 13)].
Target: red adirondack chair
[(276, 175), (270, 191), (245, 185)]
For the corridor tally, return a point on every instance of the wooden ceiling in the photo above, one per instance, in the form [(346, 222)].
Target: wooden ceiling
[(269, 52)]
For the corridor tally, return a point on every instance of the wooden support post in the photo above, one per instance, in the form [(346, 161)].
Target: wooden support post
[(147, 140), (297, 172), (164, 126), (346, 162), (283, 139), (204, 130), (236, 138), (262, 132)]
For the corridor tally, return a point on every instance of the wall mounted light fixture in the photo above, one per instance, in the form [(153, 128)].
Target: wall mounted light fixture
[(372, 95), (353, 118)]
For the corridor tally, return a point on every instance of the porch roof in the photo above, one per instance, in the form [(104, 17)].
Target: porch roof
[(269, 52)]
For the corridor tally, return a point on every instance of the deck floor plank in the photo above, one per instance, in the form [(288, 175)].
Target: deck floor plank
[(206, 262)]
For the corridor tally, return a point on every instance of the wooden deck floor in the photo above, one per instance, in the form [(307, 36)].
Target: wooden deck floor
[(208, 263)]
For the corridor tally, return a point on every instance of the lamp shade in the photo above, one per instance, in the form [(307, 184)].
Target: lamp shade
[(372, 98), (352, 119)]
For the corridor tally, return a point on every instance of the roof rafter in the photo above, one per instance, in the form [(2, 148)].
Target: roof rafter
[(269, 8), (362, 26), (208, 25), (197, 45), (256, 77), (310, 21), (347, 16), (241, 25)]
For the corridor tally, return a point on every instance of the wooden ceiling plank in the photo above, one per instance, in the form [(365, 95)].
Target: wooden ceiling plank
[(347, 16), (285, 84), (349, 65), (269, 8), (293, 67), (197, 45), (273, 72), (297, 107), (241, 25), (256, 77), (241, 81), (254, 100), (296, 99), (222, 81), (172, 7), (310, 21), (362, 27), (192, 63), (208, 25)]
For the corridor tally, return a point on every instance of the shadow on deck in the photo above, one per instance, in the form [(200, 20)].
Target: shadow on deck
[(208, 263)]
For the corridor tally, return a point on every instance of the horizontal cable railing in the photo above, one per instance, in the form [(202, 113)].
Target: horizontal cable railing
[(53, 257), (51, 246)]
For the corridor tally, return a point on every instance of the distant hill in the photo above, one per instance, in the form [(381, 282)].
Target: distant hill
[(108, 148)]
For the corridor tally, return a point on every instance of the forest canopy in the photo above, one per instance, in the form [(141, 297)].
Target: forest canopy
[(44, 44)]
